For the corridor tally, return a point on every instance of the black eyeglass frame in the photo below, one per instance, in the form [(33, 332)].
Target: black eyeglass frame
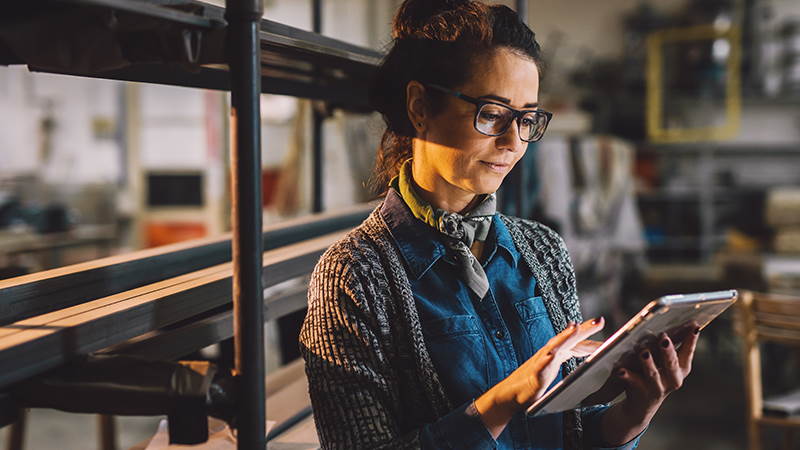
[(518, 114)]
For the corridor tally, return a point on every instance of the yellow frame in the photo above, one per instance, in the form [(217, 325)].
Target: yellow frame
[(733, 92)]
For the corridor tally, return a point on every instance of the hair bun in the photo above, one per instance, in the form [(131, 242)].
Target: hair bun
[(427, 8), (445, 20)]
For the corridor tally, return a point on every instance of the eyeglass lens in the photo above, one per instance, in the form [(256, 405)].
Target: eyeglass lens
[(494, 120)]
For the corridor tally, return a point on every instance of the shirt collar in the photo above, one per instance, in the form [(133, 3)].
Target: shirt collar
[(504, 239), (418, 243)]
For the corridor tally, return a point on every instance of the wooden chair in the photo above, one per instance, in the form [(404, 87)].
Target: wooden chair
[(766, 318)]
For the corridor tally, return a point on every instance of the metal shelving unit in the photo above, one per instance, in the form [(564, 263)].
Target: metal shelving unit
[(194, 44), (703, 200), (189, 49)]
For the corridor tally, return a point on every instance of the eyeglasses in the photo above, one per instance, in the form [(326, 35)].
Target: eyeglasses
[(493, 119)]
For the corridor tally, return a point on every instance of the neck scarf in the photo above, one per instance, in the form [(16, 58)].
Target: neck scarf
[(461, 231)]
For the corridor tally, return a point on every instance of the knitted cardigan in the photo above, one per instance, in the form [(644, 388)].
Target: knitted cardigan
[(370, 375)]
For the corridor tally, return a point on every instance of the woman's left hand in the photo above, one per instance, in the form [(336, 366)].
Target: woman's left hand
[(654, 373), (661, 371)]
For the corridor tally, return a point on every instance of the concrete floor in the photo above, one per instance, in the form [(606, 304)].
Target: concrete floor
[(56, 430)]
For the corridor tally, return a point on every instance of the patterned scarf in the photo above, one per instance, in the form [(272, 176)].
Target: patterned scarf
[(461, 230)]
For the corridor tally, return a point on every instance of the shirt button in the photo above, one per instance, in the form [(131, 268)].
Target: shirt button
[(499, 334)]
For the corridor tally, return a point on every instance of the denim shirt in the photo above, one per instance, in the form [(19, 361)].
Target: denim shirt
[(476, 343)]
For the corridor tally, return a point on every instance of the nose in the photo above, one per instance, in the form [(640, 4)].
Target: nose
[(510, 140)]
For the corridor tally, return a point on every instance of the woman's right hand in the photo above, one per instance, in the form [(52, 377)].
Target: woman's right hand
[(530, 380)]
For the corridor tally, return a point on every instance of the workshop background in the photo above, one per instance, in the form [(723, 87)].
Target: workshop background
[(672, 165)]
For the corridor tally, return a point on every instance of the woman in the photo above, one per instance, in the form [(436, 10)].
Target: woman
[(437, 321)]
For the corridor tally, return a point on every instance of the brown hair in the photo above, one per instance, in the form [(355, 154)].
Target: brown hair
[(435, 41)]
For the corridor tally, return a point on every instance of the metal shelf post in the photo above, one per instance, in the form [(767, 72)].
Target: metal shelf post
[(318, 120), (244, 51), (522, 9), (517, 179)]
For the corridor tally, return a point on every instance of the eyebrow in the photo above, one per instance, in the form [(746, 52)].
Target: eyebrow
[(508, 101)]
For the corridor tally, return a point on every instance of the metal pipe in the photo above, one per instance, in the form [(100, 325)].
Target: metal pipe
[(518, 174), (317, 132), (107, 432), (522, 186), (243, 50), (317, 158), (16, 436), (287, 424), (316, 16), (522, 10)]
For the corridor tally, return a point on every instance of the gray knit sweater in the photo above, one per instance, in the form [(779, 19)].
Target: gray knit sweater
[(368, 367)]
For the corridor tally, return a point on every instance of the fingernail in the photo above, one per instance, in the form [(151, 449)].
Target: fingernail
[(572, 325), (621, 372), (665, 343), (597, 320), (645, 355), (697, 331)]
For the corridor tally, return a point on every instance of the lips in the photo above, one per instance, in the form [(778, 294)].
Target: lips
[(497, 167)]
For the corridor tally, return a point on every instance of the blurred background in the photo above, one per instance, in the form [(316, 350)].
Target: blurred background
[(672, 165)]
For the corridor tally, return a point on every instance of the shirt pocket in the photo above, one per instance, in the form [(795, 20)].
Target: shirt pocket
[(535, 321), (458, 350)]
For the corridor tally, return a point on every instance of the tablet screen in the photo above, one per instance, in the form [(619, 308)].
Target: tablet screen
[(672, 314)]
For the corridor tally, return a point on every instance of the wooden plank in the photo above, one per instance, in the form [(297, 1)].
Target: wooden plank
[(771, 305), (778, 320), (751, 356), (28, 351), (28, 242), (792, 421), (177, 342), (788, 337), (280, 265), (44, 320), (776, 317), (204, 331), (51, 290)]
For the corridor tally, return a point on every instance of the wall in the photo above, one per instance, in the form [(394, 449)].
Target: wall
[(82, 112), (579, 27)]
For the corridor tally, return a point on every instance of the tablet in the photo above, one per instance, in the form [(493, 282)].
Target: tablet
[(589, 384)]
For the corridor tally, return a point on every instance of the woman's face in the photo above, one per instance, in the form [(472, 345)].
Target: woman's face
[(450, 156)]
